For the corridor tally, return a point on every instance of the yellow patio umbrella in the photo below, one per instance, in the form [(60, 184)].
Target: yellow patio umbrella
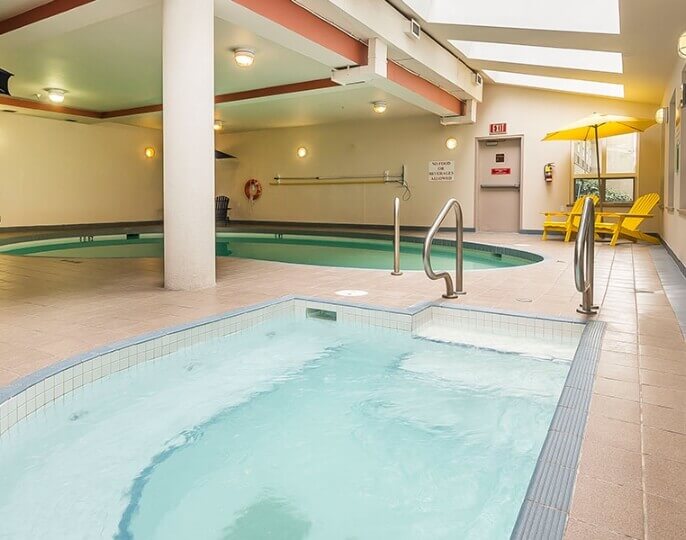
[(599, 126)]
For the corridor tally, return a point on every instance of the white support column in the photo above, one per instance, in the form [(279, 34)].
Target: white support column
[(188, 115)]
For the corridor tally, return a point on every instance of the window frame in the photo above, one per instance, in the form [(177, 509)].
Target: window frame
[(604, 175)]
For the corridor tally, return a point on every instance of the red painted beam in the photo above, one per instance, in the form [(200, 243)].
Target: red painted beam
[(424, 88), (299, 20), (40, 13)]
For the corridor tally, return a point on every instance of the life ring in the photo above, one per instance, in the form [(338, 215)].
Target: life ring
[(253, 189)]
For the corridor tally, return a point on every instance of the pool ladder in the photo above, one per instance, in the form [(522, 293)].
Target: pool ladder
[(451, 290), (396, 237), (584, 254)]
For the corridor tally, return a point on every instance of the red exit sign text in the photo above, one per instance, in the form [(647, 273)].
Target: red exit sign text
[(498, 129)]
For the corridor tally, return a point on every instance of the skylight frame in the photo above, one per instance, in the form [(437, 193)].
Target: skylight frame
[(559, 84), (587, 16), (555, 57)]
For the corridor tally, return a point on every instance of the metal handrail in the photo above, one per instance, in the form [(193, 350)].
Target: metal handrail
[(396, 237), (584, 254), (452, 291)]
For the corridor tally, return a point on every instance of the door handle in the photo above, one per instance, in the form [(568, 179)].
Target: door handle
[(500, 186)]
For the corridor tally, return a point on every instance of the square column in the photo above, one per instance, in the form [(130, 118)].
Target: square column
[(188, 115)]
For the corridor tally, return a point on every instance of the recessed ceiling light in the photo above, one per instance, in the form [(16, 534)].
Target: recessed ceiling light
[(218, 125), (302, 152), (610, 62), (557, 83), (528, 14), (244, 57), (149, 152), (56, 95), (379, 107)]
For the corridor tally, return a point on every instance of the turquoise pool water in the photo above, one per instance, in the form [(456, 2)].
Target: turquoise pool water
[(291, 430), (290, 248)]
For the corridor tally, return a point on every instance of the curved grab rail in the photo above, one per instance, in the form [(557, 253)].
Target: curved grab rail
[(584, 253), (452, 291)]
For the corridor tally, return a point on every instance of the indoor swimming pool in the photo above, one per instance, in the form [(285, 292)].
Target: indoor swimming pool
[(338, 424), (339, 251)]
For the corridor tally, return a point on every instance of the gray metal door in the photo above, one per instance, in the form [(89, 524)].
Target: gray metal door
[(498, 185)]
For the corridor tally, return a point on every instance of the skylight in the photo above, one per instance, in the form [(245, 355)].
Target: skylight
[(592, 16), (556, 83), (610, 62)]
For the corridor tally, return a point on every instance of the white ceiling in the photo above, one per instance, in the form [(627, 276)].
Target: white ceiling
[(116, 63), (10, 8), (648, 38)]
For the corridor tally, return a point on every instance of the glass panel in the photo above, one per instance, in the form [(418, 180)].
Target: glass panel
[(584, 158), (621, 154), (619, 190), (585, 186)]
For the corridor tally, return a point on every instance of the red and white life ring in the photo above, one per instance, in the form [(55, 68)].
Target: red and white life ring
[(253, 189)]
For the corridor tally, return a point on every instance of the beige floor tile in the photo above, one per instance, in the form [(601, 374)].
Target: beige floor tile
[(611, 432), (664, 444), (665, 519), (578, 530), (665, 478), (611, 464), (664, 418), (619, 409), (608, 506)]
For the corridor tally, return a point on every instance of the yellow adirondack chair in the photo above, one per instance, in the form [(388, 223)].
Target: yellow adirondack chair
[(571, 223), (626, 224)]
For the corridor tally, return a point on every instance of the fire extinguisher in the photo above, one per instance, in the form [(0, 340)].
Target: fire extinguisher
[(548, 172)]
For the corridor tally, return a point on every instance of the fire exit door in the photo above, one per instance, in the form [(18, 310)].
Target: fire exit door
[(498, 184)]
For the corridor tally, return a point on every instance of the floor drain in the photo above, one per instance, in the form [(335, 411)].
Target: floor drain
[(351, 292), (525, 300)]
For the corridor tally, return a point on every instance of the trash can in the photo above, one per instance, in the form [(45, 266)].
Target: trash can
[(221, 209)]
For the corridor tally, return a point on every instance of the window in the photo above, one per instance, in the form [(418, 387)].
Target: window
[(618, 164)]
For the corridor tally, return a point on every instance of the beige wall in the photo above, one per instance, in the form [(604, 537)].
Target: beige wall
[(377, 144), (674, 220), (54, 172)]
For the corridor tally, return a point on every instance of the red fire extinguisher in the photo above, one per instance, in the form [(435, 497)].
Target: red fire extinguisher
[(548, 172)]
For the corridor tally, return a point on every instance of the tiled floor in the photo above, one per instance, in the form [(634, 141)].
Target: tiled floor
[(633, 464)]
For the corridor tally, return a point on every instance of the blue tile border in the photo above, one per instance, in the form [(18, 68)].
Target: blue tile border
[(673, 281), (545, 509)]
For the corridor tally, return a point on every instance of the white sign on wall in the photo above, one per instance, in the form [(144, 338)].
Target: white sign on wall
[(441, 171)]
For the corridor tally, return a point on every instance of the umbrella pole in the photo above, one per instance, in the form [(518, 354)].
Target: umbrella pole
[(601, 191)]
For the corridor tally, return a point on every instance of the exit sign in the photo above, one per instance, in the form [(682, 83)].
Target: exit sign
[(498, 129)]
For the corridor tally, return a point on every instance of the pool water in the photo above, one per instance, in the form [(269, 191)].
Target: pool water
[(293, 430), (289, 248)]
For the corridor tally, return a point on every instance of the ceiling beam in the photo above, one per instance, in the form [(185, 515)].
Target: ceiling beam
[(282, 89), (299, 20), (47, 107), (55, 7)]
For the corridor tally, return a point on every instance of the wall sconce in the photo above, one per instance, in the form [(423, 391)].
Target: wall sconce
[(302, 152), (149, 152), (682, 45), (451, 143), (662, 115), (218, 125)]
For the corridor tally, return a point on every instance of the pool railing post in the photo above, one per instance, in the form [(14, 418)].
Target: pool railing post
[(396, 237)]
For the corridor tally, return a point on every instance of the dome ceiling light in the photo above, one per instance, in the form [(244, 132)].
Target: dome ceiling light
[(56, 95), (379, 107), (244, 57)]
